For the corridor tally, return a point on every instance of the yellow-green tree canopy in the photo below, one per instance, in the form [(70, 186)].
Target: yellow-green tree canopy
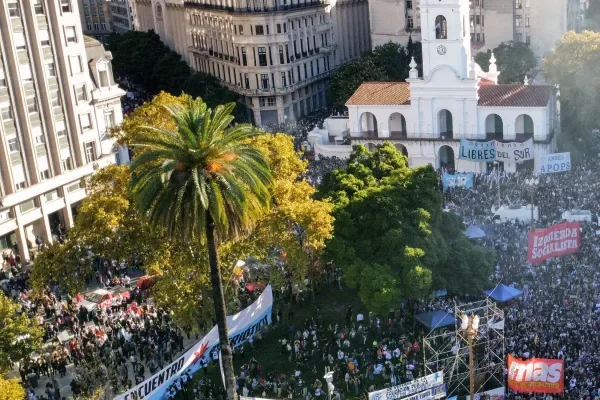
[(11, 389), (19, 335)]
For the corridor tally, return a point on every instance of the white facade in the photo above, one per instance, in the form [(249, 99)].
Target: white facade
[(427, 117), (52, 108), (277, 54), (541, 23)]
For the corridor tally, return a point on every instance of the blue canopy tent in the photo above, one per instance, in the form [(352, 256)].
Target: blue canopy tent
[(503, 293), (436, 319), (474, 232)]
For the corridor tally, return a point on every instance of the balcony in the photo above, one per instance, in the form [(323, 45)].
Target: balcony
[(257, 9), (274, 91)]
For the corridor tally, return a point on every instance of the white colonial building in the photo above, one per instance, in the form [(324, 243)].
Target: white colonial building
[(427, 116)]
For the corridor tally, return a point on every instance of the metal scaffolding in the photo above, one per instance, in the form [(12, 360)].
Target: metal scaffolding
[(448, 350)]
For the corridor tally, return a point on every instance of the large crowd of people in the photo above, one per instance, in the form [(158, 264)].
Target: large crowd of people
[(558, 315)]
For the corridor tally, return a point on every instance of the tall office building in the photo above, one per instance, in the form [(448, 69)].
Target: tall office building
[(96, 18), (277, 54), (123, 15), (58, 100), (541, 23)]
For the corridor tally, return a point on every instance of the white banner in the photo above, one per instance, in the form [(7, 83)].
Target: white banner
[(407, 389), (436, 392), (550, 163), (514, 151), (241, 326)]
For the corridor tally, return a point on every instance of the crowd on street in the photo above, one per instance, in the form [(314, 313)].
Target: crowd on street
[(558, 315)]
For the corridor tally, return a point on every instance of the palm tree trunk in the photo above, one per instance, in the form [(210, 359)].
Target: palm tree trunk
[(220, 310)]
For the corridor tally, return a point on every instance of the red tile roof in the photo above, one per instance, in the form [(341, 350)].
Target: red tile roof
[(514, 95), (381, 94), (490, 95)]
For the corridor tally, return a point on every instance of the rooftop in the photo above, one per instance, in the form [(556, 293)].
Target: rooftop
[(490, 94)]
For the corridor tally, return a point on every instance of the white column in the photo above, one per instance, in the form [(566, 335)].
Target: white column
[(21, 237)]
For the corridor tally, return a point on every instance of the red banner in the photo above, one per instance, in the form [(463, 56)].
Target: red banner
[(557, 240), (540, 375)]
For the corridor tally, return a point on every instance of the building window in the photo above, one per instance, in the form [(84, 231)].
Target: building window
[(31, 105), (20, 186), (67, 165), (518, 37), (80, 93), (271, 102), (440, 27), (44, 175), (55, 97), (262, 56), (409, 4), (281, 58), (158, 11), (518, 4), (25, 70), (2, 78), (241, 29), (278, 28), (86, 121), (409, 22), (40, 139), (90, 152), (13, 145), (51, 69), (109, 119), (65, 5), (20, 41), (13, 9), (70, 34), (264, 81), (38, 7), (44, 38), (244, 58), (104, 81), (518, 20), (283, 82), (6, 112), (76, 65), (259, 30), (527, 21)]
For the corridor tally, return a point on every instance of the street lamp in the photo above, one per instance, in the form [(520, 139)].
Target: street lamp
[(470, 326), (497, 166), (532, 183)]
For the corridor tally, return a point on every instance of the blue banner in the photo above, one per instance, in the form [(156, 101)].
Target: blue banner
[(477, 151), (451, 181)]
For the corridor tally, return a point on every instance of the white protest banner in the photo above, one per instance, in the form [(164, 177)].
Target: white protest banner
[(241, 326), (514, 151), (550, 163), (430, 394), (407, 389)]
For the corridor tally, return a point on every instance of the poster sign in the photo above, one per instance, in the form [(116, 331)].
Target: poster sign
[(408, 389), (241, 326), (451, 181), (494, 150), (539, 375), (551, 163), (557, 240), (477, 151), (434, 393)]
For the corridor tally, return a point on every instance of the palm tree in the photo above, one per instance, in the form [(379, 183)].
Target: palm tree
[(203, 182)]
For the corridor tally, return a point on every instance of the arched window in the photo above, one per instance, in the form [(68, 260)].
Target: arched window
[(158, 11), (494, 127), (441, 29), (445, 124), (397, 125), (524, 127), (368, 125)]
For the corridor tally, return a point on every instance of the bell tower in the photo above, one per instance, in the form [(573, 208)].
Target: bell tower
[(446, 35)]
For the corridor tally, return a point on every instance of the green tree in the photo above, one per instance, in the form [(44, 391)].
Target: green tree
[(393, 59), (513, 59), (347, 78), (388, 236), (210, 89), (203, 182), (19, 335), (574, 65)]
